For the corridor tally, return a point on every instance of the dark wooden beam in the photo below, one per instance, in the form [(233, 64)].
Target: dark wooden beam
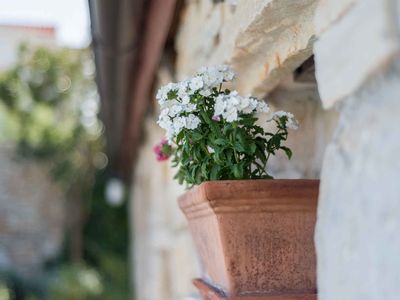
[(116, 29), (156, 27)]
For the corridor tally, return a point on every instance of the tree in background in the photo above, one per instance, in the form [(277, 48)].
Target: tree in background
[(51, 97), (51, 108)]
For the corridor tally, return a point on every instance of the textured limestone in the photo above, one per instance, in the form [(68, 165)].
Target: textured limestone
[(264, 40), (31, 215), (329, 11), (362, 42), (164, 259), (309, 141), (358, 241)]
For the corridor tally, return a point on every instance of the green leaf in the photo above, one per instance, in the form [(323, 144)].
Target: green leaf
[(214, 172), (258, 130), (196, 136), (253, 148), (238, 171), (287, 151), (204, 169), (221, 142), (239, 147), (179, 137)]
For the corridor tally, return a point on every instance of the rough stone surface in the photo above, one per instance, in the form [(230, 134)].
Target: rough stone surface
[(31, 215), (309, 141), (264, 40), (329, 11), (163, 256), (364, 41), (358, 241)]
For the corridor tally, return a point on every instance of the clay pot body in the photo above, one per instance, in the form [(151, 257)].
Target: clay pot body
[(255, 238)]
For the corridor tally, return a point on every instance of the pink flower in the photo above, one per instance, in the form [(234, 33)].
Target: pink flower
[(162, 150)]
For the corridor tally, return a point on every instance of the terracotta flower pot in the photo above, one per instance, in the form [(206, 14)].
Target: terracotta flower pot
[(255, 238)]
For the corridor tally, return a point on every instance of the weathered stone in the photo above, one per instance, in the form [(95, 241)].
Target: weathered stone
[(309, 141), (358, 241), (329, 11), (264, 40), (163, 257), (361, 43), (31, 215)]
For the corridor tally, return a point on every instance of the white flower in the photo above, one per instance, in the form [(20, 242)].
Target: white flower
[(232, 105), (212, 77), (189, 107), (174, 110), (291, 123), (168, 103), (162, 93), (196, 83), (185, 99), (215, 75), (210, 150), (192, 121), (227, 72), (231, 114), (248, 105), (205, 93), (262, 107), (219, 105), (227, 106), (179, 110), (179, 123), (165, 122), (183, 91)]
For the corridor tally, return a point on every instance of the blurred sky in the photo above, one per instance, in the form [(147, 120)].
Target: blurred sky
[(70, 17)]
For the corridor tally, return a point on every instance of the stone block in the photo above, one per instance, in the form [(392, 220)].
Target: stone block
[(309, 141), (357, 233), (358, 45), (163, 258), (264, 40), (329, 12)]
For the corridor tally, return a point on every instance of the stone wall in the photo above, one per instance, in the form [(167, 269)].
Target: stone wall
[(266, 42), (163, 256), (357, 235), (31, 215), (352, 106)]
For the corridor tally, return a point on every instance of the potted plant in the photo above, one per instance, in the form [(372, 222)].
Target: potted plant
[(254, 235)]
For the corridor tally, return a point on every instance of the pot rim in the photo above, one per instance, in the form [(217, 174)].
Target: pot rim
[(251, 196)]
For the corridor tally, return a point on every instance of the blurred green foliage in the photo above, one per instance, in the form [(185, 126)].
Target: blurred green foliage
[(48, 95), (48, 107), (75, 282), (107, 242)]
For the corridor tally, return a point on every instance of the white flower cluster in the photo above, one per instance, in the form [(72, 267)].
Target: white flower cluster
[(291, 123), (177, 111), (231, 105)]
